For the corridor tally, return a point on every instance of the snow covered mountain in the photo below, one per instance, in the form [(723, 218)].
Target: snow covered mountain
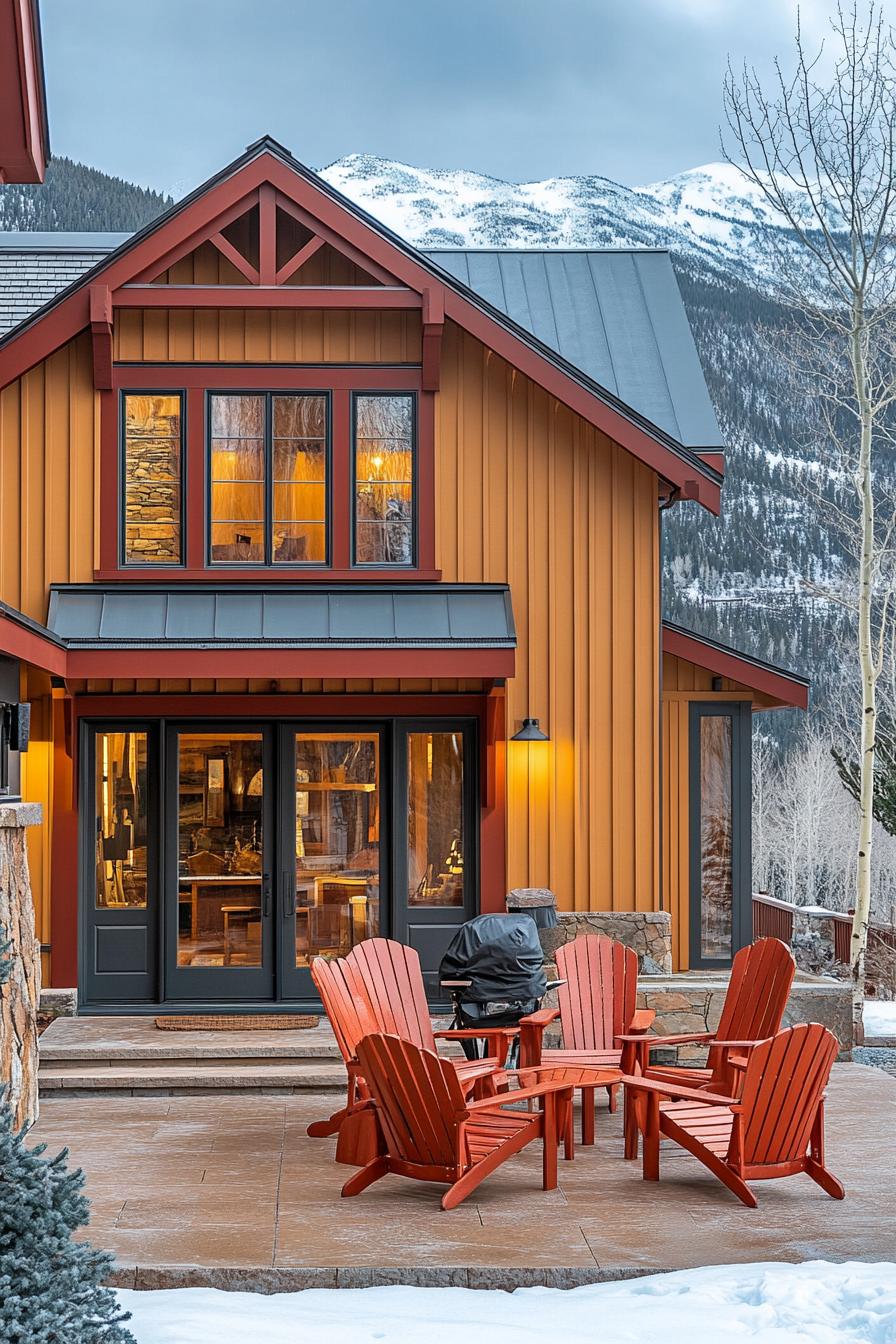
[(713, 215)]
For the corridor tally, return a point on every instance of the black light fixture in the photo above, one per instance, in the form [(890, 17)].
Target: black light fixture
[(530, 732)]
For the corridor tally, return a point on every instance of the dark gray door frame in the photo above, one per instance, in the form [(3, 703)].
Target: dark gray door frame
[(740, 714)]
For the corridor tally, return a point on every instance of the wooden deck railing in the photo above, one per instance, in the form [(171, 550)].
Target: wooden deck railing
[(772, 918)]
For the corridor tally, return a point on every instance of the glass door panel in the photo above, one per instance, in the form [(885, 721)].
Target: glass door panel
[(331, 884), (720, 801), (435, 819), (222, 877)]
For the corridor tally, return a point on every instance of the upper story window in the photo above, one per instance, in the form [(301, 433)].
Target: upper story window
[(384, 475), (152, 442), (268, 475)]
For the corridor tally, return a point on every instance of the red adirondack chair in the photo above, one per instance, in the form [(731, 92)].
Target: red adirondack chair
[(433, 1133), (757, 993), (775, 1127), (379, 987), (597, 1007)]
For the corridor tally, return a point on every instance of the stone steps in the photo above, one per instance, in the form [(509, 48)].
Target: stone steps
[(211, 1076), (90, 1056)]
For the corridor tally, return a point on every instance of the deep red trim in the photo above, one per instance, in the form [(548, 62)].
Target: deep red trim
[(259, 574), (63, 852), (287, 706), (23, 111), (267, 235), (235, 257), (297, 261), (789, 691), (190, 241), (69, 315), (261, 296), (493, 829), (268, 377), (109, 482), (101, 332), (194, 483), (341, 502), (337, 239), (324, 662), (426, 481), (18, 641), (433, 327)]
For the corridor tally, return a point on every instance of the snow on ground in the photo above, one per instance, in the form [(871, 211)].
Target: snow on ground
[(879, 1018), (812, 1303)]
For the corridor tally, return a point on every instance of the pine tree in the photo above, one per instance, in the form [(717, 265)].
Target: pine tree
[(50, 1285)]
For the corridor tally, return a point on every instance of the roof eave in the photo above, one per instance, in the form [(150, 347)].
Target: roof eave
[(789, 689)]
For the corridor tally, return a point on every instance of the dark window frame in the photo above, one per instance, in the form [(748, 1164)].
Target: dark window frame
[(740, 714), (151, 565), (403, 565), (269, 564)]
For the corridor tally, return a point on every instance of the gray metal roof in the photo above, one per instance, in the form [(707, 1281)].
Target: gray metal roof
[(35, 267), (615, 314), (350, 616)]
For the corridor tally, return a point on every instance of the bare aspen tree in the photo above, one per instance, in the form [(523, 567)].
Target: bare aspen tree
[(819, 144)]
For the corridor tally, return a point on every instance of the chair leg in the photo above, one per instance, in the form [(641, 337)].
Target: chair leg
[(374, 1171), (826, 1179), (549, 1140), (587, 1116), (652, 1139), (629, 1126), (611, 1093)]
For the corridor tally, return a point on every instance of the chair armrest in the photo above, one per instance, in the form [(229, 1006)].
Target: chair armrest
[(642, 1020), (472, 1033), (676, 1093), (737, 1062), (658, 1041), (524, 1094), (735, 1045), (543, 1018), (532, 1029)]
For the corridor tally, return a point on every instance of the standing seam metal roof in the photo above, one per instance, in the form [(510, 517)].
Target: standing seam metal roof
[(616, 315)]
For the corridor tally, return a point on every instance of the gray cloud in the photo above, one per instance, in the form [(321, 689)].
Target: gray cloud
[(165, 92)]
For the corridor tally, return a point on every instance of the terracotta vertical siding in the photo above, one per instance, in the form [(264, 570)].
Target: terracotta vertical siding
[(47, 480), (530, 495)]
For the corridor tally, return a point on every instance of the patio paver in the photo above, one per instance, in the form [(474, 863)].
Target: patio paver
[(229, 1191)]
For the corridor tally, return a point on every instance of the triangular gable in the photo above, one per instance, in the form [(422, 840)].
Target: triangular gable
[(266, 177)]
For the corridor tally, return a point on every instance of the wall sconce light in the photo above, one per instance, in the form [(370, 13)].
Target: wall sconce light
[(530, 732)]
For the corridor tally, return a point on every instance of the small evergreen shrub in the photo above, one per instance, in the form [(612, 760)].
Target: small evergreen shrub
[(50, 1285)]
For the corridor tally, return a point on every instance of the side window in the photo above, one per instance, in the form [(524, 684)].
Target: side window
[(384, 479), (152, 451)]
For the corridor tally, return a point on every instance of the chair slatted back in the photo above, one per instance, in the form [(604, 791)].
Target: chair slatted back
[(348, 1011), (388, 975), (783, 1085), (598, 1000), (418, 1098), (761, 976)]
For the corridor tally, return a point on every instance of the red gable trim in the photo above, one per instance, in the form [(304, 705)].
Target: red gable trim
[(23, 639), (24, 148), (195, 217), (791, 691)]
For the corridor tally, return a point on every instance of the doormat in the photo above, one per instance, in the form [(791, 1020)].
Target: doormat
[(238, 1022)]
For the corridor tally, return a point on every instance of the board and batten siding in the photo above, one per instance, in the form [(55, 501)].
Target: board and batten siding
[(526, 493), (529, 494)]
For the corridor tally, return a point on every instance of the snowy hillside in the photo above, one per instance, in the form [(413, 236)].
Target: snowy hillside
[(711, 214)]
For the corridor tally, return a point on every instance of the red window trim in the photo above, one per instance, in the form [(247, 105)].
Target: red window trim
[(196, 380)]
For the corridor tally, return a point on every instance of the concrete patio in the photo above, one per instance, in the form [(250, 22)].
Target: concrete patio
[(228, 1191)]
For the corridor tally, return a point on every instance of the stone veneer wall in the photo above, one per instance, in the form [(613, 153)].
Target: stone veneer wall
[(152, 500), (648, 932), (20, 995)]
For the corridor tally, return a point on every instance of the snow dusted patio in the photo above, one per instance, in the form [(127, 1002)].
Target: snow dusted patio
[(227, 1191)]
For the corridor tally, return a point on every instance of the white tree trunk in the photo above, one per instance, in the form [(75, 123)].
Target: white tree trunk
[(869, 672)]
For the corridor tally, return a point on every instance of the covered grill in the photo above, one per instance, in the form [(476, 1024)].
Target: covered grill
[(494, 971)]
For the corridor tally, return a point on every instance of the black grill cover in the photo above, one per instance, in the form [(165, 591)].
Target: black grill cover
[(502, 957)]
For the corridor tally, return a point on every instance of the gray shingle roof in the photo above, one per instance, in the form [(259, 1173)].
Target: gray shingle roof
[(616, 315), (35, 267), (368, 616)]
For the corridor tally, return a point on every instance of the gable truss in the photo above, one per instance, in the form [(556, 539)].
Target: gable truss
[(269, 179)]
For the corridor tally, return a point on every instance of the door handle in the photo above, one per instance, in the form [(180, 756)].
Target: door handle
[(289, 896), (266, 895)]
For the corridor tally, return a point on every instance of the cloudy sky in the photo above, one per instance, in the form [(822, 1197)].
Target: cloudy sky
[(164, 92)]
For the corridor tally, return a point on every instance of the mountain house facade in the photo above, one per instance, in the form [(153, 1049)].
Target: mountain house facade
[(299, 526)]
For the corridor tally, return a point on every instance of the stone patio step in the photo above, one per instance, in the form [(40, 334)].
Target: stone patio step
[(206, 1076), (129, 1039)]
